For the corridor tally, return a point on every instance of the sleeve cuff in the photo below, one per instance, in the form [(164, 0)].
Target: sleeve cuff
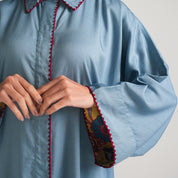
[(2, 108), (99, 135)]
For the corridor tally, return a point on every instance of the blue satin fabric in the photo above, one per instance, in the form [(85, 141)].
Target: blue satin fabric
[(101, 44)]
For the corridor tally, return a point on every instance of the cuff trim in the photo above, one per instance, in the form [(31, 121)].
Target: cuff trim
[(2, 108), (99, 135)]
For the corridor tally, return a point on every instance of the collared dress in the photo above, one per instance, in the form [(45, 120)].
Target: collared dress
[(102, 45)]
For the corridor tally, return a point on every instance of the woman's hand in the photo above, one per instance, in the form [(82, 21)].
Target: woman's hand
[(64, 92), (16, 88)]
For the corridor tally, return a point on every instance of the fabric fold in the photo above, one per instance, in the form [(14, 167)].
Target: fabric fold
[(137, 109)]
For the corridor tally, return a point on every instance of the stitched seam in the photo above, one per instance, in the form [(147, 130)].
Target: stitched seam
[(49, 75)]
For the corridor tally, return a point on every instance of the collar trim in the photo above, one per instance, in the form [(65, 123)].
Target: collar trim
[(31, 4), (74, 5)]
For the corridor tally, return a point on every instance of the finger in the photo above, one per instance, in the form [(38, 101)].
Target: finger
[(50, 100), (77, 84), (13, 107), (20, 100), (51, 91), (55, 107), (57, 85), (45, 87), (28, 99), (30, 89)]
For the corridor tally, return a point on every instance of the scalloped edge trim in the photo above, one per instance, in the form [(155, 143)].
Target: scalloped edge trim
[(49, 75), (2, 108), (109, 132), (28, 11), (73, 8)]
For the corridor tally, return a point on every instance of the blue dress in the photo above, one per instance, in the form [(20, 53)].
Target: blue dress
[(97, 43)]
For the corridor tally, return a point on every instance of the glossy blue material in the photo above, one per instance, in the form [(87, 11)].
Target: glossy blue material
[(101, 44)]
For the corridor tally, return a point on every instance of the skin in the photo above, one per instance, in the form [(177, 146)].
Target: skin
[(47, 99)]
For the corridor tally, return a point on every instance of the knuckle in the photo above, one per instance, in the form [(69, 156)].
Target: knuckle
[(26, 96), (6, 86), (20, 100), (47, 101), (64, 83), (69, 98), (30, 87), (44, 95), (62, 76), (16, 75), (10, 79), (67, 91), (2, 92)]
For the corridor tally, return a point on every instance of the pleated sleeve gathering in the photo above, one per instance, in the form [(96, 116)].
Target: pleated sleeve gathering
[(131, 115)]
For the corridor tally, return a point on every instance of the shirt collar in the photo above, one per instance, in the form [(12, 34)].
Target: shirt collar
[(31, 4)]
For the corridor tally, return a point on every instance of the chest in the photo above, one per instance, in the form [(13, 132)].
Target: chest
[(77, 41)]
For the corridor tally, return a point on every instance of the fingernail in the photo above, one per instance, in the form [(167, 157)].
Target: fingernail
[(36, 112), (27, 116), (40, 101), (21, 118)]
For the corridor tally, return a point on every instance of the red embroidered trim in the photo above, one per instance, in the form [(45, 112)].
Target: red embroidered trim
[(74, 8), (28, 11), (110, 136), (50, 60), (2, 108)]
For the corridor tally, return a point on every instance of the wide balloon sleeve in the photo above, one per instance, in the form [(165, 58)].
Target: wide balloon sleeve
[(130, 116)]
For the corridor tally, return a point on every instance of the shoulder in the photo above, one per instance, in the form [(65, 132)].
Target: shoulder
[(5, 4), (10, 5), (121, 9)]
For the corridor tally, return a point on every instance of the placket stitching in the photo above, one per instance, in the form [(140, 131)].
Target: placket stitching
[(49, 119)]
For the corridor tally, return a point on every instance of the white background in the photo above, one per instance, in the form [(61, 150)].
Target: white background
[(160, 17)]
